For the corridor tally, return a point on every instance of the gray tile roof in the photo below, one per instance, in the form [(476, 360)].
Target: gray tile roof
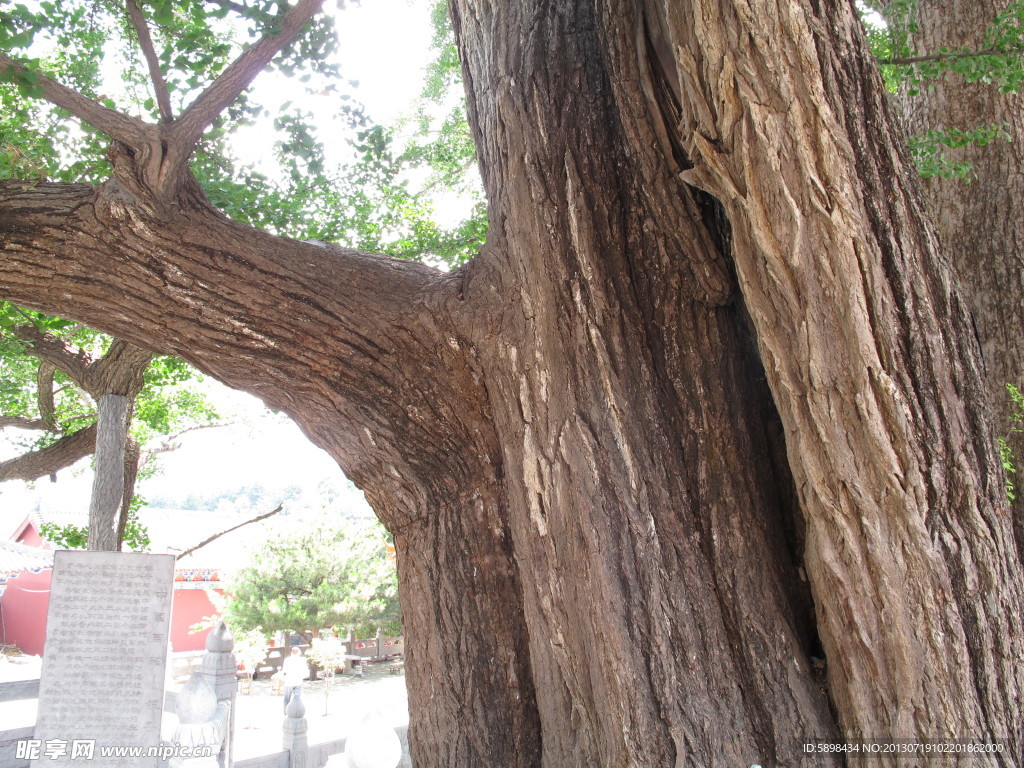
[(17, 557)]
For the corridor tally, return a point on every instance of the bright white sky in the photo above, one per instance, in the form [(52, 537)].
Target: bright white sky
[(384, 46)]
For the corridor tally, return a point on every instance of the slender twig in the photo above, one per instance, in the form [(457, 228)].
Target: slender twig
[(216, 536), (170, 443), (111, 122), (187, 129), (952, 56), (163, 96), (231, 6)]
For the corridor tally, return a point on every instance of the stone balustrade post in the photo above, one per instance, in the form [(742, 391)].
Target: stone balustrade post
[(350, 649), (202, 725), (219, 669), (296, 740)]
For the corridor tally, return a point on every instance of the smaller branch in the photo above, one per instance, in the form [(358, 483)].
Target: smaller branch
[(46, 461), (57, 353), (231, 6), (952, 56), (22, 423), (216, 536), (44, 393), (187, 129), (111, 122), (163, 96)]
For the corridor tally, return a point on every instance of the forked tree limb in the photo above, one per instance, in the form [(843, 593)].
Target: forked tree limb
[(170, 146), (118, 371)]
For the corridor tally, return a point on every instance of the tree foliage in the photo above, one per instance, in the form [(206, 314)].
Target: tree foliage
[(383, 199), (167, 403), (333, 575)]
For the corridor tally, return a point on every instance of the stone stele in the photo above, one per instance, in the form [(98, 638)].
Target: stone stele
[(102, 681)]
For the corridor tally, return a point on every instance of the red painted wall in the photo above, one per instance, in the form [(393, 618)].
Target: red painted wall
[(24, 603), (23, 611), (190, 607)]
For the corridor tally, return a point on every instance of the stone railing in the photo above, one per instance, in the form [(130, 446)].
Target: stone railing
[(205, 707), (20, 690)]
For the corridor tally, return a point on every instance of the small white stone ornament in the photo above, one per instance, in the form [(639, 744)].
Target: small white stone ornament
[(373, 745)]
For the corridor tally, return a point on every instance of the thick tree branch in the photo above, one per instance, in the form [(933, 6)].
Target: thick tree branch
[(46, 461), (236, 78), (163, 97), (118, 126), (363, 333), (216, 536)]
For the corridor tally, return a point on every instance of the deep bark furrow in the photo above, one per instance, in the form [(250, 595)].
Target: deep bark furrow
[(849, 399), (649, 496)]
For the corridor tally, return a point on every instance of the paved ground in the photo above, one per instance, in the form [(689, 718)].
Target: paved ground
[(330, 716), (259, 715)]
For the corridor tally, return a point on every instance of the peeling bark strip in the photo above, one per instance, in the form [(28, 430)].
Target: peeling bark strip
[(709, 348), (864, 342)]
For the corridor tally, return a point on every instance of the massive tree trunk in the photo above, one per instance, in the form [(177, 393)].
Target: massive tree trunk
[(980, 224), (704, 408)]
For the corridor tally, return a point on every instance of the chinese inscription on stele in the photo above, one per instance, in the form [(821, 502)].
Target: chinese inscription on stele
[(102, 679)]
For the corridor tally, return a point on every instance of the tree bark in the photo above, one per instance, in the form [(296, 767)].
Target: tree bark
[(980, 224), (108, 480), (60, 454), (704, 408)]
